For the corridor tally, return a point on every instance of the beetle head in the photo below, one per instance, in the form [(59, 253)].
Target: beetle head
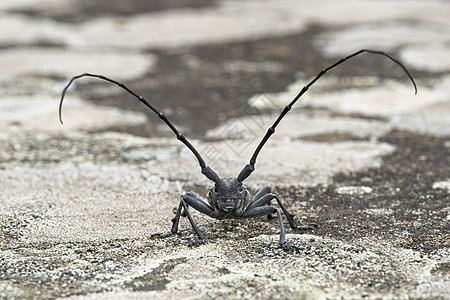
[(229, 196)]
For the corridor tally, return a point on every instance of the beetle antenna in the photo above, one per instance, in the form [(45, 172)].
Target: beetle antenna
[(206, 170), (249, 168)]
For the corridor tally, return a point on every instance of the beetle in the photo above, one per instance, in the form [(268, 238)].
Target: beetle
[(228, 198)]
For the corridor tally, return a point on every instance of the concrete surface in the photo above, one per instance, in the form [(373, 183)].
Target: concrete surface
[(360, 154)]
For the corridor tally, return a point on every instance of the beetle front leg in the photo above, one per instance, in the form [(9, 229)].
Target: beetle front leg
[(264, 196), (264, 210), (195, 201), (175, 221), (269, 209), (290, 217)]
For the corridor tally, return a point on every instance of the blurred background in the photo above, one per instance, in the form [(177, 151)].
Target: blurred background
[(202, 62)]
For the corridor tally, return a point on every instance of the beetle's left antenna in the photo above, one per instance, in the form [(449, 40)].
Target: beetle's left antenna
[(206, 170)]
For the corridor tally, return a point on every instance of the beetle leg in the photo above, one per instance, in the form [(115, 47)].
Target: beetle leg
[(195, 201), (264, 210), (263, 197)]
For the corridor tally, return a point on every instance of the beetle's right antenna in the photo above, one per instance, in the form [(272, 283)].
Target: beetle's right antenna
[(249, 168), (206, 170)]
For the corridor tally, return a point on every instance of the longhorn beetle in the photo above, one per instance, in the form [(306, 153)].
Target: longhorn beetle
[(228, 198)]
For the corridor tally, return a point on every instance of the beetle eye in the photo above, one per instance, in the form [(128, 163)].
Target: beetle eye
[(241, 189), (215, 189)]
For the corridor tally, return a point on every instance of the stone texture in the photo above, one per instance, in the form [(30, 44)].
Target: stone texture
[(359, 154)]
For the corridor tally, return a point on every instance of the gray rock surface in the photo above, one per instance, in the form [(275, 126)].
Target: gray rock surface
[(359, 155)]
